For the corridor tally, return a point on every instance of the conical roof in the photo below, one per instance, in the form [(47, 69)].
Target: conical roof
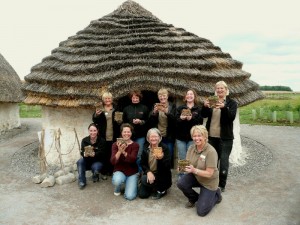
[(10, 83), (132, 49)]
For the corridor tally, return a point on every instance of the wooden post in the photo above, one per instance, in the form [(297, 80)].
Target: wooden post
[(58, 147), (253, 114), (290, 116), (274, 116), (261, 113)]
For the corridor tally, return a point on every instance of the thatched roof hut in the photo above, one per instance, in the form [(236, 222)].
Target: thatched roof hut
[(132, 49), (125, 50), (10, 96), (10, 83)]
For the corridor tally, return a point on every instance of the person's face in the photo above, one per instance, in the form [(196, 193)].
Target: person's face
[(93, 132), (190, 97), (221, 90), (198, 138), (154, 139), (126, 133), (135, 99), (163, 98), (107, 101)]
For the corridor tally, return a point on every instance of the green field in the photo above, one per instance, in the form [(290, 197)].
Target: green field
[(30, 111), (281, 102)]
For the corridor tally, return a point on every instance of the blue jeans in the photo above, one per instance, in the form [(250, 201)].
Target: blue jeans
[(141, 142), (182, 147), (170, 144), (119, 178), (83, 166), (205, 201)]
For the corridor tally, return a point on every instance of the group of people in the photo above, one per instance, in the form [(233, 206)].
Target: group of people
[(138, 150)]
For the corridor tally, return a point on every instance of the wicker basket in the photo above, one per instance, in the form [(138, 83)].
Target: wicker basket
[(182, 163)]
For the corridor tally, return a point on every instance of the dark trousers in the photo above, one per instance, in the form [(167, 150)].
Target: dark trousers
[(223, 148), (205, 201), (84, 165), (146, 188)]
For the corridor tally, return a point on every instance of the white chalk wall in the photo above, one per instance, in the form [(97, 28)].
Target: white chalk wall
[(67, 120), (237, 156), (9, 116)]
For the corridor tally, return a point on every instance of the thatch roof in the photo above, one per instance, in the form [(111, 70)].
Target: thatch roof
[(132, 49), (10, 83)]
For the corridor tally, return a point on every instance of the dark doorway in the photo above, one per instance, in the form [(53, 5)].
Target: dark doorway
[(149, 98)]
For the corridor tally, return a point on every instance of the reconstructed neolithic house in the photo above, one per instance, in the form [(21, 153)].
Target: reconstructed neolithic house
[(10, 96), (125, 50)]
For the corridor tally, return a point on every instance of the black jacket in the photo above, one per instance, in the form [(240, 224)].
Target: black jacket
[(183, 127), (99, 148), (153, 121), (100, 121), (228, 114), (163, 176), (136, 111)]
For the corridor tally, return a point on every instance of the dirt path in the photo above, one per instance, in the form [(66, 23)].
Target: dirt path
[(270, 196)]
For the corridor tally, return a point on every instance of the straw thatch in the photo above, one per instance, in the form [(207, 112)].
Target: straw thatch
[(10, 83), (132, 49)]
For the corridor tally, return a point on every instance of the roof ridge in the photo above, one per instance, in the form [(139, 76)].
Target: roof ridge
[(130, 8)]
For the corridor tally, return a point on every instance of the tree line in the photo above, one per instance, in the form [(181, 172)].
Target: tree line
[(275, 88)]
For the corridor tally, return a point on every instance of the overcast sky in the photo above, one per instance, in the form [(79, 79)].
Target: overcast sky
[(263, 35)]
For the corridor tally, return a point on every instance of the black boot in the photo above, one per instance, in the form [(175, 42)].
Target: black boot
[(96, 177)]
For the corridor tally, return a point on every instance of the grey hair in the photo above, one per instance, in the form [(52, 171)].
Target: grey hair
[(153, 130)]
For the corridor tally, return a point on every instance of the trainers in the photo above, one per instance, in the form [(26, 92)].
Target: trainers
[(189, 205), (117, 193), (81, 185), (158, 195)]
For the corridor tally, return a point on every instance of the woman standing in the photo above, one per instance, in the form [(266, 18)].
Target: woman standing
[(163, 118), (202, 172), (109, 128), (93, 160), (220, 127), (137, 115), (184, 122), (123, 158), (157, 177)]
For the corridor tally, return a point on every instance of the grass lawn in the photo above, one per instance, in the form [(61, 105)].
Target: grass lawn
[(30, 111), (279, 102)]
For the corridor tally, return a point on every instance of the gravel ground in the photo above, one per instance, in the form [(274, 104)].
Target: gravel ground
[(258, 156), (265, 190)]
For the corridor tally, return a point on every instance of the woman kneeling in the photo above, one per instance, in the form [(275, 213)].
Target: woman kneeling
[(156, 165), (202, 172)]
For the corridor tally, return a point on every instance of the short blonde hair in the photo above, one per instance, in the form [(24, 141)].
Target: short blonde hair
[(224, 85), (106, 95), (153, 130), (201, 129), (163, 91)]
